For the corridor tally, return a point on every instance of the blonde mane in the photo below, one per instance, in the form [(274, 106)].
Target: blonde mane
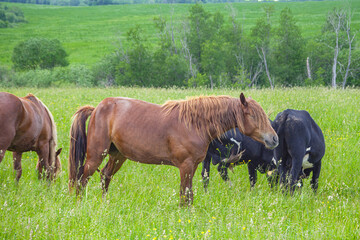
[(214, 115), (207, 114)]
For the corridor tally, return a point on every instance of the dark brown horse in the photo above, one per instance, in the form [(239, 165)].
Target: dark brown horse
[(177, 133), (27, 125)]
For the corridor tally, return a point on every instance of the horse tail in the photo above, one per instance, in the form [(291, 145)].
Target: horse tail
[(78, 144)]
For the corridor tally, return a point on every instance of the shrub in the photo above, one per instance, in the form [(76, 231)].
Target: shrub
[(2, 14), (6, 76), (200, 80), (104, 72), (34, 78), (3, 24), (38, 53), (11, 17), (78, 75), (81, 76)]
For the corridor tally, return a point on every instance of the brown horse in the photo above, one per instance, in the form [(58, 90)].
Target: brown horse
[(27, 125), (177, 133)]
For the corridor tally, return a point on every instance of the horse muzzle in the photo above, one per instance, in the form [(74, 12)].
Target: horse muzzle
[(271, 141)]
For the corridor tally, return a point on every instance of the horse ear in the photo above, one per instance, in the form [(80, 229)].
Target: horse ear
[(243, 99), (58, 151)]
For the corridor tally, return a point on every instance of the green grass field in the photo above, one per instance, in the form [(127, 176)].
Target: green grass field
[(89, 33), (143, 200)]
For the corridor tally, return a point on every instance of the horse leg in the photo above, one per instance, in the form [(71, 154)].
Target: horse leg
[(17, 164), (187, 170), (97, 149), (205, 173), (294, 174), (252, 175), (315, 177), (2, 154), (115, 162), (43, 161), (283, 172), (40, 166), (5, 141), (222, 169)]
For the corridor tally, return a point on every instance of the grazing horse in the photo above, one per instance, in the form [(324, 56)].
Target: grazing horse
[(27, 125), (176, 133), (301, 148), (234, 148)]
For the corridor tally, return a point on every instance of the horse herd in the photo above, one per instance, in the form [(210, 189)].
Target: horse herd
[(222, 129)]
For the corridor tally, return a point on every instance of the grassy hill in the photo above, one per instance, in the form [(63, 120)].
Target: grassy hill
[(89, 33)]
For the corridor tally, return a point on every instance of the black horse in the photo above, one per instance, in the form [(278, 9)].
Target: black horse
[(234, 148), (300, 150)]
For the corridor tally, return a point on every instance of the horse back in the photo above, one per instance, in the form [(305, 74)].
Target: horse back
[(143, 132), (298, 132)]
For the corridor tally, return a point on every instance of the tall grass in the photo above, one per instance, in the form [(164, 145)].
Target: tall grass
[(90, 33), (143, 200)]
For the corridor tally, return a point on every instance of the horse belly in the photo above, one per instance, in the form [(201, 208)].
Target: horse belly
[(26, 138), (144, 151), (23, 144)]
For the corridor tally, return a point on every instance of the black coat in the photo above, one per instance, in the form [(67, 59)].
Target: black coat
[(233, 142), (301, 147)]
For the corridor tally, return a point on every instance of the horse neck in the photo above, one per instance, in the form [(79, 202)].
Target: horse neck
[(227, 119), (53, 139), (53, 132)]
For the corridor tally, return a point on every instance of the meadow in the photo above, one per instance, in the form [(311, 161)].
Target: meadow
[(143, 200), (90, 33)]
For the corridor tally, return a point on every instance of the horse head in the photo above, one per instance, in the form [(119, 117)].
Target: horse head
[(256, 124), (57, 166)]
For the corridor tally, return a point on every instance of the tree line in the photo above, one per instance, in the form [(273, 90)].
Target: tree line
[(119, 2), (206, 49)]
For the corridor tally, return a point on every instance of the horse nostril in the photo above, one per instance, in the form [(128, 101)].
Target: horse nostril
[(275, 138)]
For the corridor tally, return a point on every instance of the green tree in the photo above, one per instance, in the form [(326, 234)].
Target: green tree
[(200, 31), (213, 61), (261, 35), (320, 60), (234, 53), (135, 67), (289, 51), (334, 29), (169, 66), (38, 53)]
